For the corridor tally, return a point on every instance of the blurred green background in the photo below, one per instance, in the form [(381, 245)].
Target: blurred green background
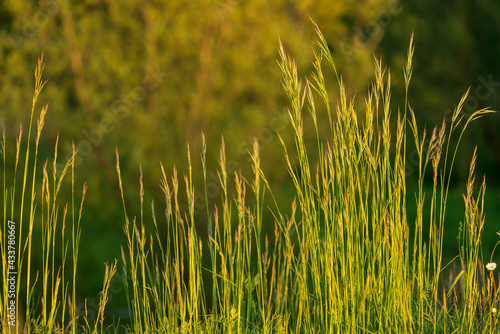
[(148, 77)]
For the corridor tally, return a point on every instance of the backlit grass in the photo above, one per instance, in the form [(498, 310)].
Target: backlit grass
[(345, 259)]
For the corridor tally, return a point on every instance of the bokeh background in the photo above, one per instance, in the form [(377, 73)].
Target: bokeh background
[(148, 77)]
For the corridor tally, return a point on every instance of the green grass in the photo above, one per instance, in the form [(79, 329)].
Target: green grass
[(345, 259)]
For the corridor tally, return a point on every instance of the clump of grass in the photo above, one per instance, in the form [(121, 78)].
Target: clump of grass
[(48, 303), (342, 260)]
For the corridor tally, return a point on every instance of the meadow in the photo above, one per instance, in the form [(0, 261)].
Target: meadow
[(345, 259)]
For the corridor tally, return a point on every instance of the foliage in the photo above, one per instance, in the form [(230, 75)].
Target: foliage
[(341, 260), (149, 76)]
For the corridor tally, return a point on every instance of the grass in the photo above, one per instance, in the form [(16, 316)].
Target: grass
[(346, 259)]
